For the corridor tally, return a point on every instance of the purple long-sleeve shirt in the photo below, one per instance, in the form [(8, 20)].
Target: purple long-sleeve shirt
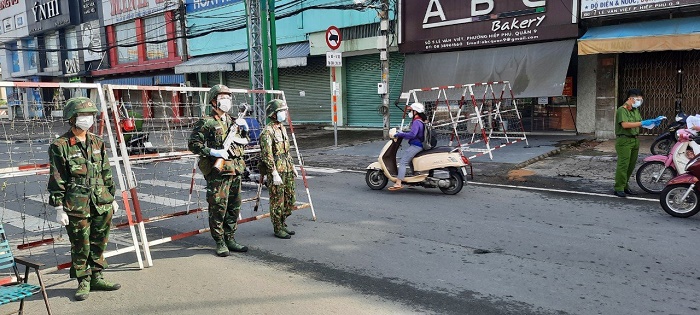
[(415, 136)]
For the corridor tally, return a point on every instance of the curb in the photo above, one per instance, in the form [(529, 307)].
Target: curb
[(548, 154)]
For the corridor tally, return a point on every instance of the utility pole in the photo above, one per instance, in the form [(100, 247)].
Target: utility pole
[(255, 56), (383, 46)]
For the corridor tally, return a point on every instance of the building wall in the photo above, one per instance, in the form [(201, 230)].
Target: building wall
[(289, 30), (606, 96)]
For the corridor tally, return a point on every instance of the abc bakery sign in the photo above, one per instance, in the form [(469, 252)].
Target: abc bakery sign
[(439, 25)]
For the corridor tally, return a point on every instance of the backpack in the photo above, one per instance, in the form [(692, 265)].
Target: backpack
[(429, 139)]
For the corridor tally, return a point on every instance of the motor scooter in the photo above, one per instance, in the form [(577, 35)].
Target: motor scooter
[(681, 197), (135, 139), (441, 167), (665, 141), (659, 169)]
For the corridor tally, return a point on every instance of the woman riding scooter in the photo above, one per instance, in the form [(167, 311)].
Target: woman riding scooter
[(415, 140)]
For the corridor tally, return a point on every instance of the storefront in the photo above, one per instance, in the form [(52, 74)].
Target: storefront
[(659, 56), (528, 43), (362, 101), (17, 65), (143, 49)]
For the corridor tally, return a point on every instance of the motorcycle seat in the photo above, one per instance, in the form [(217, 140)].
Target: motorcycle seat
[(435, 150)]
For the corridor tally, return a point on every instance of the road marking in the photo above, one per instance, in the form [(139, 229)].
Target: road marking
[(561, 191), (165, 201), (322, 170), (177, 185), (31, 223)]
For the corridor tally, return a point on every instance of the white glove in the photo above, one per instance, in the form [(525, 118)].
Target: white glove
[(219, 153), (242, 124), (296, 174), (115, 206), (392, 132), (61, 216), (276, 179)]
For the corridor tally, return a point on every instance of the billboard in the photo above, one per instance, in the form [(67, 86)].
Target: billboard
[(440, 25), (598, 8), (118, 11)]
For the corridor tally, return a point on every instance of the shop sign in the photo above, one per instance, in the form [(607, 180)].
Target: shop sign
[(46, 15), (439, 25), (202, 5), (72, 66), (7, 3), (598, 8), (117, 11), (89, 10), (91, 34), (568, 87)]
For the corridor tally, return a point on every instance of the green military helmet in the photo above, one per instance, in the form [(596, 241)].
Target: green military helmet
[(274, 106), (78, 105), (215, 91)]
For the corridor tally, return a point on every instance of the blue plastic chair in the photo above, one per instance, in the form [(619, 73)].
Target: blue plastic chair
[(19, 290)]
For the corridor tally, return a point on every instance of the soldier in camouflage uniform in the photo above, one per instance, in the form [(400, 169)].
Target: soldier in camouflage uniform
[(223, 179), (278, 166), (81, 190)]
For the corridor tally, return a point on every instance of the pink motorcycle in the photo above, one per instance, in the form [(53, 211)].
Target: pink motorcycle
[(657, 170)]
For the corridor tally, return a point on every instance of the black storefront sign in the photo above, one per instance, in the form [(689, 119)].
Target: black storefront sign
[(47, 15), (442, 25), (89, 10)]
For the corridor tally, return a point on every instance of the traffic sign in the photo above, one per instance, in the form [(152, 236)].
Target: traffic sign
[(333, 37), (334, 59)]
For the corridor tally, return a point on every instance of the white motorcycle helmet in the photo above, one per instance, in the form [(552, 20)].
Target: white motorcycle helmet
[(418, 107)]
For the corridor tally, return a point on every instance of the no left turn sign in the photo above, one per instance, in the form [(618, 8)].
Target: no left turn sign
[(333, 38)]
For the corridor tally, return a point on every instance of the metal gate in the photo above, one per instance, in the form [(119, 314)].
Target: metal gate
[(662, 77), (363, 102)]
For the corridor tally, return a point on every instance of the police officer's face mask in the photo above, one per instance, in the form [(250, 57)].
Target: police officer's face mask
[(84, 122), (282, 116), (637, 102), (224, 103)]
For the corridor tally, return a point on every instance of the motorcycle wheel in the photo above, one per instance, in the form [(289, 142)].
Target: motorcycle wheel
[(671, 201), (376, 179), (646, 176), (662, 146), (457, 182)]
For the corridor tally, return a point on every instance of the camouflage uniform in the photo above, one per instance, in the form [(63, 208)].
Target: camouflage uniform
[(275, 155), (223, 187), (81, 182)]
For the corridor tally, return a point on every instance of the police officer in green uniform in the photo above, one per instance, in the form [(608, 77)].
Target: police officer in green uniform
[(277, 164), (222, 169), (81, 190), (627, 123)]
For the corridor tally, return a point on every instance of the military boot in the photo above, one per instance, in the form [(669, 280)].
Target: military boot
[(290, 232), (282, 234), (233, 246), (221, 249), (83, 288), (98, 283)]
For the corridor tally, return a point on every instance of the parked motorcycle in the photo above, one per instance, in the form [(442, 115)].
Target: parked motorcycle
[(441, 167), (681, 197), (659, 169), (136, 140), (663, 143)]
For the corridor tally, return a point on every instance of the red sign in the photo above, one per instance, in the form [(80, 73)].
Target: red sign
[(568, 87), (333, 37), (440, 25)]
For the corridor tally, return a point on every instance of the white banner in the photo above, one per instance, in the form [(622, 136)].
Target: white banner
[(117, 11)]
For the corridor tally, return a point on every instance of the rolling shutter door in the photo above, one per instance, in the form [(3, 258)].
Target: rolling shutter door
[(308, 91), (363, 102)]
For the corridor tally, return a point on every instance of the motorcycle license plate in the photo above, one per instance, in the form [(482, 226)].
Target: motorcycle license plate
[(464, 172), (148, 144)]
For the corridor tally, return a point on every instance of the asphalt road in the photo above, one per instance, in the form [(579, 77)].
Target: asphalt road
[(488, 250)]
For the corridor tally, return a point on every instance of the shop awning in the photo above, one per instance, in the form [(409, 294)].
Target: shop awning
[(289, 55), (168, 79), (128, 81), (674, 34), (211, 63), (534, 70)]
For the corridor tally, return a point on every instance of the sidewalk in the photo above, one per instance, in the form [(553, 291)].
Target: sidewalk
[(189, 279)]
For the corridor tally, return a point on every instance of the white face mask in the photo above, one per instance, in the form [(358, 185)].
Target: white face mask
[(84, 122), (224, 104), (637, 103), (282, 116)]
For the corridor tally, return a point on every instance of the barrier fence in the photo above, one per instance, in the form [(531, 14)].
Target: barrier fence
[(471, 116), (161, 193)]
